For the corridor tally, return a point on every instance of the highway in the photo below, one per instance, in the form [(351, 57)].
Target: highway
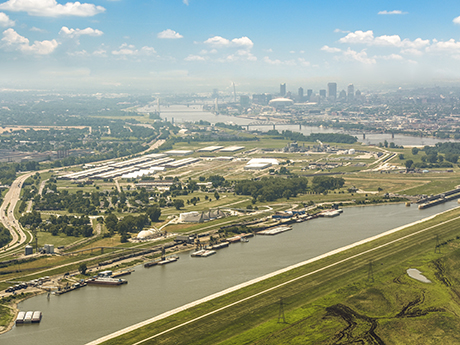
[(8, 218)]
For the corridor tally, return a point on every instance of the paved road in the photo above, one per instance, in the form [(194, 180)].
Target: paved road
[(7, 213)]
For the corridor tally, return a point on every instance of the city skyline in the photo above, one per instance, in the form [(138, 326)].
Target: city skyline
[(196, 46)]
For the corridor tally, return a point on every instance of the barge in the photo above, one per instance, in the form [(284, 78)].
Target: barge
[(151, 264), (203, 253), (122, 273), (106, 281), (275, 231), (168, 260), (20, 317)]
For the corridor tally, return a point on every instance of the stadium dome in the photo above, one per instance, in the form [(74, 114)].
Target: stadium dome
[(281, 102)]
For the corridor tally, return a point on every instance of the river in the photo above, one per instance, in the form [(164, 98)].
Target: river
[(195, 113), (91, 312)]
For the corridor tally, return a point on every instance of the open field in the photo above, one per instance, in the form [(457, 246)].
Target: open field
[(322, 298)]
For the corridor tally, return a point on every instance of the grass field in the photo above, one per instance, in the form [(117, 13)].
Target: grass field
[(343, 304)]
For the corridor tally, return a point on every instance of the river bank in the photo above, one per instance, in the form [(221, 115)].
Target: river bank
[(190, 279), (252, 282)]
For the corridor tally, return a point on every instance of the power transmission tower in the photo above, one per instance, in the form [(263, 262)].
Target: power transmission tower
[(281, 312), (370, 273), (437, 248)]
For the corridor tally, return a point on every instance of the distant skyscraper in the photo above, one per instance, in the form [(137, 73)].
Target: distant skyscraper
[(343, 95), (332, 90), (283, 89), (322, 93), (309, 93), (351, 93), (300, 94), (244, 101)]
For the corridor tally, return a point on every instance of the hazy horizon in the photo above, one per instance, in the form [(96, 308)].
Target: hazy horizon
[(198, 45)]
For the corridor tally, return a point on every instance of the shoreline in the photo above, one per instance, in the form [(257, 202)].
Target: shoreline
[(37, 292), (256, 280), (14, 308)]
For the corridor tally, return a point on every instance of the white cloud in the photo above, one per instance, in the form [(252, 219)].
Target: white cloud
[(303, 62), (33, 28), (241, 55), (392, 57), (446, 46), (146, 50), (456, 20), (392, 12), (243, 42), (341, 31), (218, 41), (272, 62), (79, 53), (192, 57), (13, 41), (331, 49), (51, 8), (185, 2), (5, 21), (100, 52), (293, 62), (361, 56), (169, 34), (358, 37), (367, 37), (130, 50), (71, 33), (411, 51)]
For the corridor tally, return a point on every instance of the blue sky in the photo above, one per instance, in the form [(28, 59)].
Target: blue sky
[(198, 45)]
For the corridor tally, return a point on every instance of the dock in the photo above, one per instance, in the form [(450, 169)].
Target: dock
[(275, 231), (168, 260), (203, 253), (122, 273)]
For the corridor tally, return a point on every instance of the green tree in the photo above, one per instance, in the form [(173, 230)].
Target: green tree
[(415, 150), (409, 163), (111, 222), (451, 157), (216, 195), (82, 268), (178, 203), (154, 213)]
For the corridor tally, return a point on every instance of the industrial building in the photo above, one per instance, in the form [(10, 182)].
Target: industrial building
[(260, 163)]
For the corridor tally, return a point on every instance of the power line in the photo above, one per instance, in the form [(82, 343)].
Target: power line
[(281, 312), (437, 248)]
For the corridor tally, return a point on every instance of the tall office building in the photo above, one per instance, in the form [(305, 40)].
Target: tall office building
[(300, 94), (351, 93), (322, 93), (332, 90), (309, 93), (283, 89)]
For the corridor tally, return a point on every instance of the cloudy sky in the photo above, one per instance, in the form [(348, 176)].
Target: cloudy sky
[(198, 45)]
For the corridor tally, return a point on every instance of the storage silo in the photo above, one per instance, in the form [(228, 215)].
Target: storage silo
[(29, 250)]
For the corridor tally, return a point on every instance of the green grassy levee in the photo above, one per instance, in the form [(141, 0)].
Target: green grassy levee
[(309, 302)]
